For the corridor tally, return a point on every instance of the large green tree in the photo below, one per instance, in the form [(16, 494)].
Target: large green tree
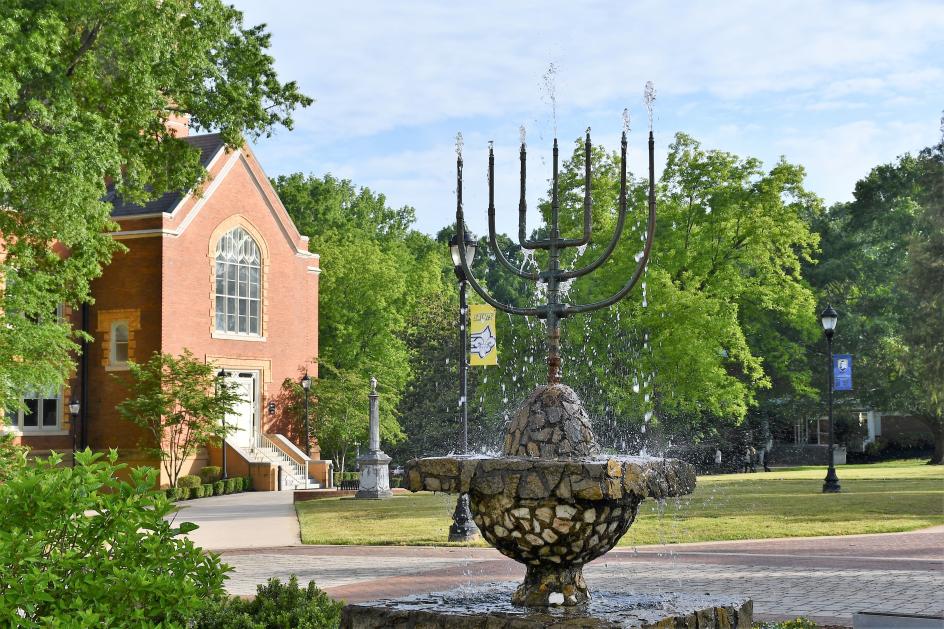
[(882, 270), (378, 274), (722, 311), (85, 89)]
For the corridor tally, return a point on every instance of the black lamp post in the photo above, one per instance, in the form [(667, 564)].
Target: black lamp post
[(219, 377), (73, 417), (463, 528), (306, 384), (829, 317)]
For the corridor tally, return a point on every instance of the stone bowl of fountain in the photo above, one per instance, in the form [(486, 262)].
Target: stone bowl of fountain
[(552, 502)]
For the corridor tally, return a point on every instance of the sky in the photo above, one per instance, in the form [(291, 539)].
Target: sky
[(838, 87)]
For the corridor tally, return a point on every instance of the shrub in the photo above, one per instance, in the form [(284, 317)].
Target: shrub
[(197, 492), (247, 483), (208, 490), (275, 605), (67, 558), (219, 488), (231, 484), (184, 493), (12, 457), (211, 474), (340, 476), (171, 493), (189, 480)]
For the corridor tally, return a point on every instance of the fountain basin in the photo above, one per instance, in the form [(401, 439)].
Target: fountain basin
[(487, 607), (552, 502), (553, 515)]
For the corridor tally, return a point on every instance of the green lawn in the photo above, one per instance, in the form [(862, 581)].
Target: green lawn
[(876, 498)]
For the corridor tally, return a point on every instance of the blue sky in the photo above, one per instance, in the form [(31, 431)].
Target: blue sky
[(835, 86)]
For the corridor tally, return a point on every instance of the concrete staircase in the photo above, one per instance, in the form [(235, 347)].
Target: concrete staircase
[(294, 473)]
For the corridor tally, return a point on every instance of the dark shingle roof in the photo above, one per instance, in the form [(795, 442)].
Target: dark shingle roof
[(208, 144)]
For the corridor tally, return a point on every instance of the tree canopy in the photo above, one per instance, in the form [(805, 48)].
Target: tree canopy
[(86, 87), (883, 269)]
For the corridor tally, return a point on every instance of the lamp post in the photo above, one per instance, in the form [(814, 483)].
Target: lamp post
[(306, 385), (219, 377), (463, 528), (829, 317), (73, 417)]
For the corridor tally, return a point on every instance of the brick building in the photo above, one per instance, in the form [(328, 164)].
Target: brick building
[(221, 271)]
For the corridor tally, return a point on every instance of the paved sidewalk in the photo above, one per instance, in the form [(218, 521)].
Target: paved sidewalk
[(827, 579), (252, 519)]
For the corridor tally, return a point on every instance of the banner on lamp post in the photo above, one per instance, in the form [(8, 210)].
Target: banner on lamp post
[(483, 348), (842, 372)]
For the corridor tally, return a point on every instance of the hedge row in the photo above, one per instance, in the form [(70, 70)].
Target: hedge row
[(190, 487)]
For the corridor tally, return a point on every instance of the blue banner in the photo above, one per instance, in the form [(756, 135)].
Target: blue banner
[(842, 372)]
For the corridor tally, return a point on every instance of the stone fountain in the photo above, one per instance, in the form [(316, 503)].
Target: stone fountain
[(553, 501)]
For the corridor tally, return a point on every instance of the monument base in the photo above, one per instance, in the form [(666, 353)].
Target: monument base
[(489, 606), (375, 476)]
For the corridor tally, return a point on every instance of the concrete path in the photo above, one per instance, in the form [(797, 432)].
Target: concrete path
[(827, 579), (246, 520)]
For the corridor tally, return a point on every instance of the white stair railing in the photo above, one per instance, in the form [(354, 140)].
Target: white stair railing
[(297, 472)]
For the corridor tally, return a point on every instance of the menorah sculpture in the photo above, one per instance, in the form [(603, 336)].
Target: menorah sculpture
[(555, 310)]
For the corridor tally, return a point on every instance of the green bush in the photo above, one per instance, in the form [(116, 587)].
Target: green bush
[(339, 476), (69, 558), (184, 493), (12, 457), (219, 488), (189, 480), (275, 605), (171, 493), (231, 484), (197, 492), (211, 474), (247, 483)]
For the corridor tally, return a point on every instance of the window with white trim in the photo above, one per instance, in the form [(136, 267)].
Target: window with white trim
[(118, 352), (42, 411), (238, 284)]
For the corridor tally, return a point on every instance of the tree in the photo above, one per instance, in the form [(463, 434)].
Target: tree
[(378, 274), (924, 280), (881, 270), (86, 87), (181, 403), (723, 306)]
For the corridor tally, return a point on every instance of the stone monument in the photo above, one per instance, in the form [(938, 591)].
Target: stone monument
[(375, 470)]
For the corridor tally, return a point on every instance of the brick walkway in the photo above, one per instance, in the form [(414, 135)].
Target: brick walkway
[(827, 579)]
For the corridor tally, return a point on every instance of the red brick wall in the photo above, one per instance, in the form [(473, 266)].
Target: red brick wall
[(131, 282), (290, 290)]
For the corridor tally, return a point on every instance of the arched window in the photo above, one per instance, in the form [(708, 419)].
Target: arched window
[(238, 290)]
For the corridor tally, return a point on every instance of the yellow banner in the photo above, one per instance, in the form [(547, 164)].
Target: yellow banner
[(484, 342)]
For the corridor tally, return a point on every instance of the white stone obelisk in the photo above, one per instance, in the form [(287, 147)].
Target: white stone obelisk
[(375, 464)]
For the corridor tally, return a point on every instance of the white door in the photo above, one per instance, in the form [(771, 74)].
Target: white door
[(244, 415)]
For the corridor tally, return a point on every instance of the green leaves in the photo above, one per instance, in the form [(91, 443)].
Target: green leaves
[(181, 403), (85, 89), (79, 545)]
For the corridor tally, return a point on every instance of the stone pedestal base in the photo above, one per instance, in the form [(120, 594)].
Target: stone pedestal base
[(488, 607), (375, 476), (545, 586)]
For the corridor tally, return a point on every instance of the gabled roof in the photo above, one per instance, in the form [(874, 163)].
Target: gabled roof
[(209, 145)]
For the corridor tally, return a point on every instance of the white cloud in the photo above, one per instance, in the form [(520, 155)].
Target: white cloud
[(394, 80)]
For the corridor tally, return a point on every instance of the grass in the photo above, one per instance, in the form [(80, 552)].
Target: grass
[(876, 498)]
